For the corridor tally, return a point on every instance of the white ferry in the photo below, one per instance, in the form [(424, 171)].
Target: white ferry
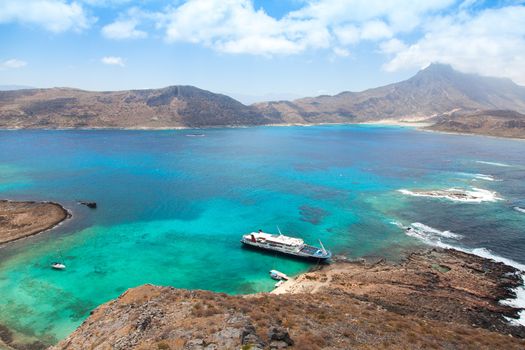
[(285, 245)]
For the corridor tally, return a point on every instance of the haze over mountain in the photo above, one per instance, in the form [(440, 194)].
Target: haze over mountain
[(437, 90)]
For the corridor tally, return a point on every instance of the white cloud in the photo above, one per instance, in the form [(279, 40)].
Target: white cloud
[(236, 26), (13, 63), (123, 29), (113, 60), (341, 52), (490, 42), (374, 30), (53, 15), (410, 33), (392, 46)]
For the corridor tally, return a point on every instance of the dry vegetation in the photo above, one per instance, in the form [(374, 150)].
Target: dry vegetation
[(334, 316)]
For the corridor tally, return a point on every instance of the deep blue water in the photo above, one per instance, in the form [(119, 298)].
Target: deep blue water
[(172, 208)]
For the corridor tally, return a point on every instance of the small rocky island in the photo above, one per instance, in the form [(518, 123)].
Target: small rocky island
[(435, 299), (23, 219)]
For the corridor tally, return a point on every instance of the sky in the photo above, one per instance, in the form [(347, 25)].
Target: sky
[(254, 50)]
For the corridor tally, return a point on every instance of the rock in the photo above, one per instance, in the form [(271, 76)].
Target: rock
[(250, 337), (91, 205), (280, 334), (278, 344), (195, 344)]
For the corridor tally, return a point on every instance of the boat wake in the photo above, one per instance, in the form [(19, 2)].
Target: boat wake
[(475, 195), (433, 237)]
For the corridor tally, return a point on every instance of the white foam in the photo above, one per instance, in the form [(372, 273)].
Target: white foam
[(518, 302), (493, 163), (479, 176), (432, 231), (521, 210), (484, 177), (476, 195)]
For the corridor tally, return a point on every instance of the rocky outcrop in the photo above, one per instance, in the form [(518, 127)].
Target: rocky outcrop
[(502, 123), (90, 205), (434, 299), (23, 219)]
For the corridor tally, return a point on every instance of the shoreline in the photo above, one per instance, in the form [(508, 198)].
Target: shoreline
[(455, 294), (322, 277), (417, 125), (23, 219)]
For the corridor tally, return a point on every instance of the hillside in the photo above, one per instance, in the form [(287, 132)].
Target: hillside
[(174, 106), (435, 90), (501, 123), (433, 300)]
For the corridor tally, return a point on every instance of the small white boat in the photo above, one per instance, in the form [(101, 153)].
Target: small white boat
[(279, 283), (58, 266), (279, 276)]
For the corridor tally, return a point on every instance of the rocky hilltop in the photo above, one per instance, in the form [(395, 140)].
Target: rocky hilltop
[(438, 299)]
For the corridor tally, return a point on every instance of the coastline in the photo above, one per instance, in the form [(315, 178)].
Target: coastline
[(22, 219), (456, 295), (419, 125)]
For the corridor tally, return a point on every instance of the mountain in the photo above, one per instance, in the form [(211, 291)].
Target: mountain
[(435, 90), (501, 123), (174, 106)]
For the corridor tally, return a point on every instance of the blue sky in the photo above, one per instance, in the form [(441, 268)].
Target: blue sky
[(254, 48)]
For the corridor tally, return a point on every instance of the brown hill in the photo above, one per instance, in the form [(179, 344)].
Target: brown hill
[(435, 90), (501, 123), (174, 106)]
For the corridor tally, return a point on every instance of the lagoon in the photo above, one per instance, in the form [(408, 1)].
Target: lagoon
[(172, 208)]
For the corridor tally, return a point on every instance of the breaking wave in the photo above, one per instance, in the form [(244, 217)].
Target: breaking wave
[(475, 195), (484, 177), (521, 210), (479, 176), (493, 163)]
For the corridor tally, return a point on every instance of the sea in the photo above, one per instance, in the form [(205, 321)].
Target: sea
[(173, 204)]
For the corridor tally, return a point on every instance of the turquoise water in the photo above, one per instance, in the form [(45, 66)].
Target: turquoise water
[(171, 208)]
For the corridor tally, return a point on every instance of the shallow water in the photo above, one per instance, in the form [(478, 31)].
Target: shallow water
[(171, 208)]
